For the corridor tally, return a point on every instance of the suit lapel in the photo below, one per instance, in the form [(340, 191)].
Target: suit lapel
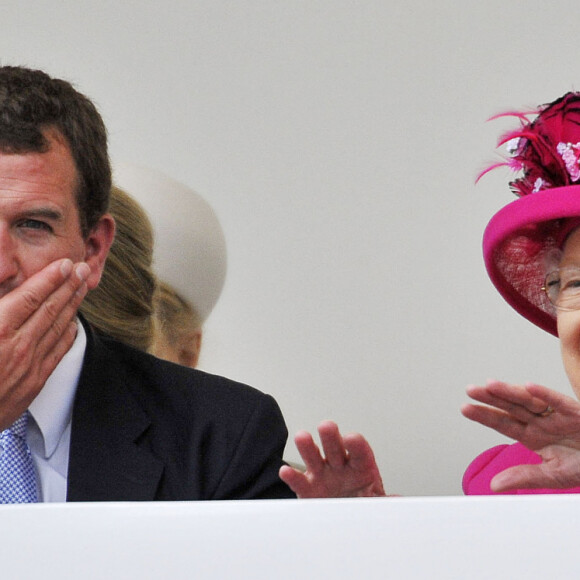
[(106, 461)]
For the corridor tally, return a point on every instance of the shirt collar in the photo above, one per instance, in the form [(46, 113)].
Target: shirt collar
[(52, 407)]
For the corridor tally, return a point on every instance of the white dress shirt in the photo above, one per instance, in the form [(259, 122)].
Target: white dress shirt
[(48, 434)]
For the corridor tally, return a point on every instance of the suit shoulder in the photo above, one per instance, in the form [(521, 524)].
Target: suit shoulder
[(172, 385)]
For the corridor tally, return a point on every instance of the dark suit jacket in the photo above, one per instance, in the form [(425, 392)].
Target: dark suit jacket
[(146, 429)]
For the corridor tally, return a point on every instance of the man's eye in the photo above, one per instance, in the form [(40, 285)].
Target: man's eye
[(35, 225)]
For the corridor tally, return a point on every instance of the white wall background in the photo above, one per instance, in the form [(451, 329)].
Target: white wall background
[(338, 142)]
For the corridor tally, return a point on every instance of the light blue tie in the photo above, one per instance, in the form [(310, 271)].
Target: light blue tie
[(17, 477)]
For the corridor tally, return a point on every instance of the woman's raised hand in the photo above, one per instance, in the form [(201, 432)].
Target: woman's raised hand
[(543, 420)]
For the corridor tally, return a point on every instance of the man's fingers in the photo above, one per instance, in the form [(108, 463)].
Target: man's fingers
[(360, 453), (295, 480), (362, 462), (38, 345), (47, 333), (332, 444), (25, 300), (308, 451), (60, 306), (54, 332)]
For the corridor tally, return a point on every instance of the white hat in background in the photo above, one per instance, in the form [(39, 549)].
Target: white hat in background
[(190, 247)]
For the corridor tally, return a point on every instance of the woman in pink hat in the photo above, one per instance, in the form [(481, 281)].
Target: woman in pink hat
[(532, 254)]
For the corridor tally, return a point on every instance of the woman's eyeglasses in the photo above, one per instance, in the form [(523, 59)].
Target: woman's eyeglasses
[(562, 286)]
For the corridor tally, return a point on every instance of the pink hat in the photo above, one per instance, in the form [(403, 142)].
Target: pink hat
[(523, 240)]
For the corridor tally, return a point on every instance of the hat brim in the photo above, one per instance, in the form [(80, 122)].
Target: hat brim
[(518, 243)]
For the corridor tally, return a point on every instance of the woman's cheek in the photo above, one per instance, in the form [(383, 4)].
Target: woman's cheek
[(569, 334)]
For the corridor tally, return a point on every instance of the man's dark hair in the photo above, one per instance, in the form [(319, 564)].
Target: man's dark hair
[(31, 103)]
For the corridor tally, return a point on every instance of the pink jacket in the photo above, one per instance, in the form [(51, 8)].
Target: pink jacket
[(484, 467)]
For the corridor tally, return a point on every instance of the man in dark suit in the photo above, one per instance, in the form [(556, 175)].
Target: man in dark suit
[(105, 422)]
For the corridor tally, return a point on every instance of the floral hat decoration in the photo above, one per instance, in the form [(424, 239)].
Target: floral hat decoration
[(523, 241)]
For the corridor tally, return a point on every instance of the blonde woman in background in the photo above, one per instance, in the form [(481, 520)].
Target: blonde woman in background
[(177, 335), (129, 304)]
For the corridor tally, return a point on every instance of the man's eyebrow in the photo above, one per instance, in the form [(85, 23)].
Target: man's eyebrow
[(43, 212)]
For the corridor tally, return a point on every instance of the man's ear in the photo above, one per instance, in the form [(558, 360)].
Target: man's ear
[(97, 247)]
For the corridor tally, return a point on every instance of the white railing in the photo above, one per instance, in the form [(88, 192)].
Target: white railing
[(463, 538)]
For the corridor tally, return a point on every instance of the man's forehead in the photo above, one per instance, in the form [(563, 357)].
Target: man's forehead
[(38, 185), (51, 167)]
